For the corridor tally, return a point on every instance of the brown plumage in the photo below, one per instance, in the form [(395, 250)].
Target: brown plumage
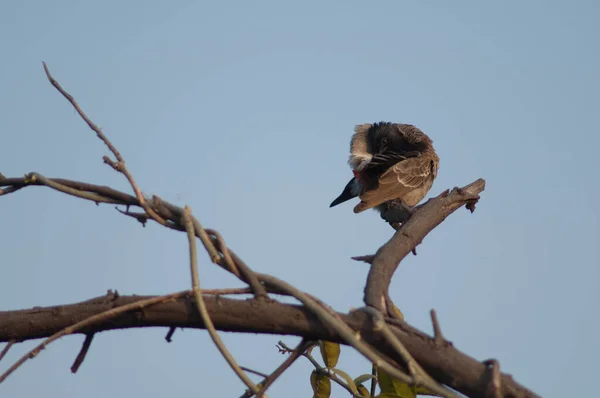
[(391, 162)]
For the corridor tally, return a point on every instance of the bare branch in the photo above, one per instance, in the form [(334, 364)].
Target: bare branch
[(170, 333), (82, 353), (410, 234), (120, 164), (446, 364), (6, 348), (104, 191), (246, 273), (256, 372), (191, 233), (365, 259), (374, 380), (295, 354), (437, 330), (33, 177), (74, 327)]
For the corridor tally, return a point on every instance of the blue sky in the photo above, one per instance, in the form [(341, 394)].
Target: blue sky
[(244, 111)]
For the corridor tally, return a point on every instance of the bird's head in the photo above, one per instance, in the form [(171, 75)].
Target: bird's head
[(396, 137)]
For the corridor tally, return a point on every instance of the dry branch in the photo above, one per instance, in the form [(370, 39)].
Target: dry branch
[(446, 364), (409, 235)]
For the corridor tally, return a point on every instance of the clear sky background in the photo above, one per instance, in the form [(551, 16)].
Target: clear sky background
[(244, 111)]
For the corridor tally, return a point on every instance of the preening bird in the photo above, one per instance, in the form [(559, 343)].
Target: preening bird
[(394, 166)]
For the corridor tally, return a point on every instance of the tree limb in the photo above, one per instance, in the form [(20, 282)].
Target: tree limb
[(446, 364), (409, 235)]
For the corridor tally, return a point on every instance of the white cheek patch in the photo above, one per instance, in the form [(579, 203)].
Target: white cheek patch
[(357, 158)]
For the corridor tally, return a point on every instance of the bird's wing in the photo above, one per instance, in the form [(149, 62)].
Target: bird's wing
[(389, 159), (411, 173), (397, 181)]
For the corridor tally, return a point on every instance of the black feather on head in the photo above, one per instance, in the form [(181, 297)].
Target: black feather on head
[(397, 138)]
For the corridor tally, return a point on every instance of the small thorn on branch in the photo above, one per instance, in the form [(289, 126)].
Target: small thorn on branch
[(140, 217), (112, 295), (82, 353), (437, 330), (366, 259), (115, 165), (442, 195), (495, 384), (170, 333), (6, 348), (459, 190)]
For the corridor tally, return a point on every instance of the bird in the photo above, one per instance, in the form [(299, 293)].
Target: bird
[(394, 166)]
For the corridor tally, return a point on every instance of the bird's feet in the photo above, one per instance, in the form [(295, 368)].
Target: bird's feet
[(395, 212)]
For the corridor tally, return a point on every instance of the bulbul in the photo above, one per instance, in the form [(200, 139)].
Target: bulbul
[(394, 166)]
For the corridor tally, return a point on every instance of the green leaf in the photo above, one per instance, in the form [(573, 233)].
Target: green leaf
[(362, 378), (321, 384), (330, 353), (362, 390), (391, 387)]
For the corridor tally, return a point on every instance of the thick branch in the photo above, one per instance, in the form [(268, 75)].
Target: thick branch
[(444, 363), (410, 234)]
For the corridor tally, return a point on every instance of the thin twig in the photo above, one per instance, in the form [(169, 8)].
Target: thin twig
[(204, 315), (215, 257), (249, 276), (170, 333), (256, 372), (33, 177), (8, 190), (104, 191), (83, 352), (222, 247), (366, 259), (374, 380), (89, 321), (270, 379), (120, 165), (6, 348)]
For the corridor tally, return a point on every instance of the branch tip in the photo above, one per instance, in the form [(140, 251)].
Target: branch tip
[(82, 352), (6, 348), (170, 333), (365, 259)]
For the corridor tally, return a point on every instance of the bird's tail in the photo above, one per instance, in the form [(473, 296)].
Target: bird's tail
[(349, 192)]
